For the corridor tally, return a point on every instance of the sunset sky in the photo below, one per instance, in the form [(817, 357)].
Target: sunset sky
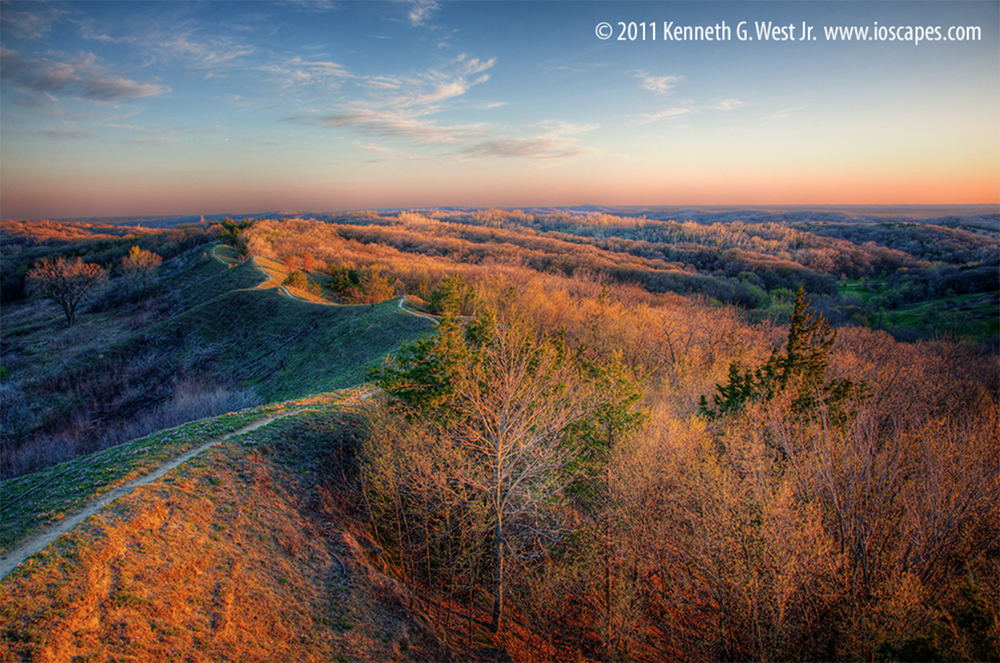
[(155, 108)]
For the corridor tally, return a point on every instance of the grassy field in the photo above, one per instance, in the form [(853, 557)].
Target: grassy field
[(286, 348), (33, 501), (283, 347), (214, 272), (232, 556), (975, 316)]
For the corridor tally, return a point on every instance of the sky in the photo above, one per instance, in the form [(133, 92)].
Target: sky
[(162, 108)]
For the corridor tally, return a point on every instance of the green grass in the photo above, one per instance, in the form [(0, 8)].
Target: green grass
[(976, 316), (281, 347), (856, 288), (208, 277), (29, 502), (286, 348)]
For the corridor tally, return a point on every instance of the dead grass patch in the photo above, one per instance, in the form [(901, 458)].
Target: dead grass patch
[(223, 559)]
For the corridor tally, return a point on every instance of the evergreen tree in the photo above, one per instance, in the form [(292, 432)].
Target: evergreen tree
[(801, 367)]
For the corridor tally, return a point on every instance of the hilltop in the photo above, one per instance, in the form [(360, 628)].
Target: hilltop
[(209, 336), (584, 436)]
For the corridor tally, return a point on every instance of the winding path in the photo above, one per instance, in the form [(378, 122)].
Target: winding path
[(12, 558)]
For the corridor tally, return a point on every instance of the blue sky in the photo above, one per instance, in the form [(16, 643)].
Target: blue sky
[(111, 108)]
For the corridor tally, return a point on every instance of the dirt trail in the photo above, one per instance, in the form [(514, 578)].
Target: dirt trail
[(271, 282), (13, 557)]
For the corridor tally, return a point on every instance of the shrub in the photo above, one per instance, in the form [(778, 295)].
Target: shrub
[(296, 279)]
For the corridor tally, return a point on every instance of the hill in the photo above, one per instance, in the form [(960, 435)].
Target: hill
[(240, 554), (621, 438), (202, 340)]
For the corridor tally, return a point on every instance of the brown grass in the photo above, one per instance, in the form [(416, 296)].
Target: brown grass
[(220, 560)]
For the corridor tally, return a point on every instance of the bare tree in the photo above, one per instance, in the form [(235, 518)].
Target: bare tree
[(65, 282), (139, 264), (503, 396), (516, 404)]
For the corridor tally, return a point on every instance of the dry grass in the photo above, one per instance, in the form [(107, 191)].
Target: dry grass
[(220, 560)]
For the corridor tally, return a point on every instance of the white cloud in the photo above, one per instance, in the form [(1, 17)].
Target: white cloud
[(298, 72), (399, 108), (201, 53), (727, 104), (663, 114), (659, 84), (421, 10)]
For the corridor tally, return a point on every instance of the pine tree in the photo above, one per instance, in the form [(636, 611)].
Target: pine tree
[(802, 367)]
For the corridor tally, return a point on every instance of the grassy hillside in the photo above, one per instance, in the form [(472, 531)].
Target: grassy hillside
[(282, 347), (37, 500), (233, 556), (201, 340)]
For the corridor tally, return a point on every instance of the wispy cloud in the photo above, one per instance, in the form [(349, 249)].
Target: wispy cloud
[(31, 25), (88, 31), (371, 148), (552, 140), (401, 108), (81, 77), (402, 125), (783, 114), (435, 86), (200, 52), (398, 106), (664, 114), (659, 84), (298, 72), (728, 104), (421, 10)]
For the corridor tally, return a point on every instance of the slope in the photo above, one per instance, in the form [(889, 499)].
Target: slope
[(240, 554)]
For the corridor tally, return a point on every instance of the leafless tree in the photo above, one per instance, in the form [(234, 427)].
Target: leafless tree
[(65, 282), (517, 402)]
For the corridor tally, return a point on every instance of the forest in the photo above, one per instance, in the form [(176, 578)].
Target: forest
[(625, 438)]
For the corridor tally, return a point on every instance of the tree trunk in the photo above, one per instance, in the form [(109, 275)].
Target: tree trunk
[(498, 579)]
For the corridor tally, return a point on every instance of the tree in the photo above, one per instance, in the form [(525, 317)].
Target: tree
[(65, 282), (595, 438), (454, 297), (296, 279), (139, 264), (502, 397), (801, 367), (516, 404)]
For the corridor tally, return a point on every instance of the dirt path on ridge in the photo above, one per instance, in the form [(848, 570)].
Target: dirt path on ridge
[(13, 558), (271, 282)]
